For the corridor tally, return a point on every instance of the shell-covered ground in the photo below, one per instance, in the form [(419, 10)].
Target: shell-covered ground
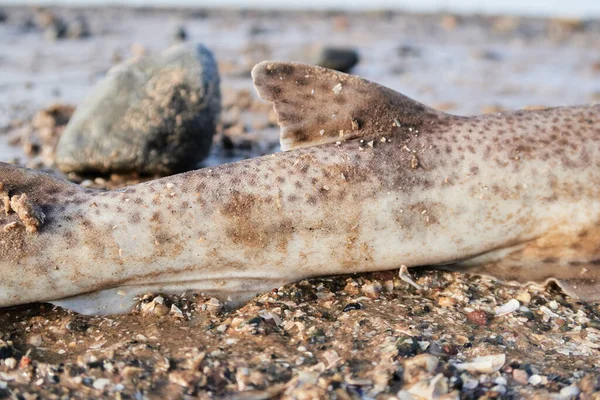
[(361, 336)]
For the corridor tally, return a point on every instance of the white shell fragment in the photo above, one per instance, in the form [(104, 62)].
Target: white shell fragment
[(433, 388), (405, 276), (507, 308), (483, 364), (569, 392), (548, 312)]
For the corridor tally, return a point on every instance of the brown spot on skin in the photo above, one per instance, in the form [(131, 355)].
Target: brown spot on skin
[(78, 200), (70, 238), (167, 244), (249, 225), (341, 100), (134, 218), (156, 217)]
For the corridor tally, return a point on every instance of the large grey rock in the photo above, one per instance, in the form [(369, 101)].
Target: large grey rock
[(155, 115)]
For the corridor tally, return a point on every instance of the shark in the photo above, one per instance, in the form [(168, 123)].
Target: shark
[(367, 180)]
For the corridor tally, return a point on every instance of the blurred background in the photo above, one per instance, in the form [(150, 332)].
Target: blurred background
[(533, 7), (462, 57)]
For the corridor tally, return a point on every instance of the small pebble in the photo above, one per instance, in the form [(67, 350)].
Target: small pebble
[(478, 317), (535, 380), (570, 391), (100, 384), (524, 297), (548, 312), (520, 376), (501, 381), (11, 363), (352, 306), (499, 388), (469, 382), (180, 34), (446, 301), (372, 289), (161, 310)]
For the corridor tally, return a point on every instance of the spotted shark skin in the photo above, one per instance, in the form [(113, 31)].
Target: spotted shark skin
[(369, 180)]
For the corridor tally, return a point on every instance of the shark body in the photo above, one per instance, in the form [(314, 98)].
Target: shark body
[(370, 180)]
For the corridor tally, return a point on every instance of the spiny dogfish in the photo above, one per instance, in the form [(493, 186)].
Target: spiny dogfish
[(368, 180)]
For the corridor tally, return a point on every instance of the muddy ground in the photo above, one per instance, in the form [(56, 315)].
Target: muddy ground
[(363, 336)]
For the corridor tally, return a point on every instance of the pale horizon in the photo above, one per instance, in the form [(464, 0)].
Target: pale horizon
[(557, 8)]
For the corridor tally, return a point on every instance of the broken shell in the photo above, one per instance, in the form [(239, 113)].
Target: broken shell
[(507, 308), (483, 364)]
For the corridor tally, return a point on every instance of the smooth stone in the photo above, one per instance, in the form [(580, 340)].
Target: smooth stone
[(338, 58), (341, 59), (154, 115), (78, 28), (180, 34)]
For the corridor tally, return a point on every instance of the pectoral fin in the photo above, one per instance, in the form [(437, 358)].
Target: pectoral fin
[(104, 302), (570, 260), (232, 292)]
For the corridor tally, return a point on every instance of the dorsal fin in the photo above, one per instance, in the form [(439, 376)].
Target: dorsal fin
[(317, 105)]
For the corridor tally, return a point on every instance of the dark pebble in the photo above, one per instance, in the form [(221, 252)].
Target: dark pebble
[(180, 34), (340, 59), (6, 351), (352, 306), (255, 321), (407, 348)]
